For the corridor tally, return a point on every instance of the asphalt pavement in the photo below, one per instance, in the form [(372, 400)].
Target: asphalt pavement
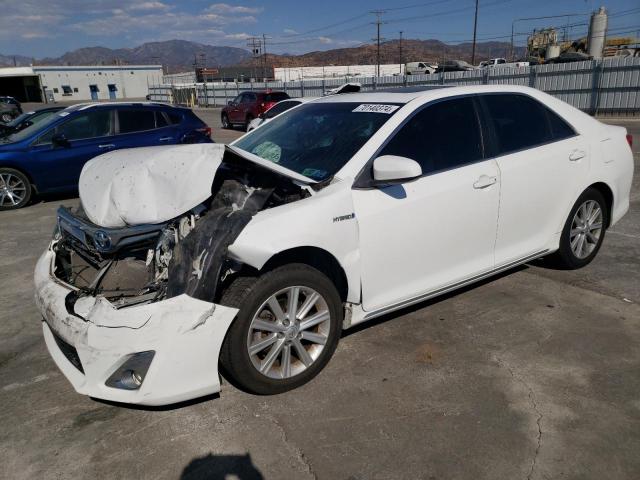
[(530, 375)]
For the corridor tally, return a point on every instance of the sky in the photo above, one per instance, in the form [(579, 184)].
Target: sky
[(41, 28)]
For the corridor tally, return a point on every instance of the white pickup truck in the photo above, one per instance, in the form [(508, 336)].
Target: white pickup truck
[(502, 62)]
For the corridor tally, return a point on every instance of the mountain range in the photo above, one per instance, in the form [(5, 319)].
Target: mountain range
[(179, 55)]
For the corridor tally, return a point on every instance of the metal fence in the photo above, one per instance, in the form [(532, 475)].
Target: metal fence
[(607, 86)]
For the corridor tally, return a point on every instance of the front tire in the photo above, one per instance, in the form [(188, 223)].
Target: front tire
[(15, 189), (584, 231), (288, 326), (6, 117)]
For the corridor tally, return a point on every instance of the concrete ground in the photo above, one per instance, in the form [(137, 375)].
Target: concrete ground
[(531, 375)]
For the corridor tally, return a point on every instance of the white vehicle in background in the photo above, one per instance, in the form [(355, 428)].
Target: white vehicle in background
[(419, 68), (277, 109), (284, 105), (254, 256), (502, 62)]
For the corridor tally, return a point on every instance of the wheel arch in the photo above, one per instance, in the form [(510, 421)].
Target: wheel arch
[(317, 258), (607, 193), (34, 186)]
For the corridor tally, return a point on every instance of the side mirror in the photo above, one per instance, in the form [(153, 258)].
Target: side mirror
[(230, 103), (393, 169), (59, 140)]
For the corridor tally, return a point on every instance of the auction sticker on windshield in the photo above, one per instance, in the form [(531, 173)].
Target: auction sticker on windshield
[(376, 108)]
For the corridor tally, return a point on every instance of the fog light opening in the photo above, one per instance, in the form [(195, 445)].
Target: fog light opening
[(131, 379), (131, 374)]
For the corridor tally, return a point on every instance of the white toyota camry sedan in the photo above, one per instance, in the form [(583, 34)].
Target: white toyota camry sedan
[(250, 259)]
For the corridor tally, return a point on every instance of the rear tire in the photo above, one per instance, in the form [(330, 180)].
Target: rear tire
[(224, 119), (262, 350), (15, 189), (583, 231)]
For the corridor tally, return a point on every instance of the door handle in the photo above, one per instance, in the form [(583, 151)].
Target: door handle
[(484, 181), (106, 145), (165, 139), (576, 155)]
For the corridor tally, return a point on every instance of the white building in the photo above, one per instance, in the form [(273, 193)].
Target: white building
[(287, 74), (70, 83)]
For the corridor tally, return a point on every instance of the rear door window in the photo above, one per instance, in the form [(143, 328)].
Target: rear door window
[(136, 120), (161, 120), (174, 117), (519, 122), (442, 136)]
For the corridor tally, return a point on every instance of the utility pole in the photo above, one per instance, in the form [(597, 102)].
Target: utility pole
[(378, 22), (264, 54), (400, 52), (254, 44), (475, 27)]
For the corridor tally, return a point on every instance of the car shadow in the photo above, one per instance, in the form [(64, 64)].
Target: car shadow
[(220, 467), (432, 301), (159, 408), (53, 197)]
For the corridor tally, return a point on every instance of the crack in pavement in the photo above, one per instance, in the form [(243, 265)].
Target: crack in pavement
[(301, 457), (534, 406)]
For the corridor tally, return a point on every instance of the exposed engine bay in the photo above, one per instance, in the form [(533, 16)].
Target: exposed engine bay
[(144, 263)]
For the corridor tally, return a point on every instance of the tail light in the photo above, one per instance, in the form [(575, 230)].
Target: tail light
[(205, 130), (630, 140)]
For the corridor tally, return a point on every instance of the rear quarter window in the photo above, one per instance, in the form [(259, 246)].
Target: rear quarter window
[(559, 128)]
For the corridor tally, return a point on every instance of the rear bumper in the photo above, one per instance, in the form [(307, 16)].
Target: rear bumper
[(185, 333)]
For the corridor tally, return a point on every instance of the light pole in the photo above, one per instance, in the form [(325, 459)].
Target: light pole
[(400, 52)]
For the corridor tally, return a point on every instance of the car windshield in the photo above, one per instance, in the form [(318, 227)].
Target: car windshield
[(317, 139), (31, 129)]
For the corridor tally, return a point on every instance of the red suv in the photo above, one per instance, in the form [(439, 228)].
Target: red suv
[(249, 105)]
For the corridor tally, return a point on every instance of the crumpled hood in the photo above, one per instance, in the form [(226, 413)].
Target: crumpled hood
[(148, 185)]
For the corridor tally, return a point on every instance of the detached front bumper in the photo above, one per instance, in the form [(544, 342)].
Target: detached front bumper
[(94, 340)]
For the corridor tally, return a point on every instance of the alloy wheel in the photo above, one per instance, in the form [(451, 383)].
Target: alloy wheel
[(12, 190), (586, 229), (288, 332)]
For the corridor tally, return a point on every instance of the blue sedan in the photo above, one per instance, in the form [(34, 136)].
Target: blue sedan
[(48, 156)]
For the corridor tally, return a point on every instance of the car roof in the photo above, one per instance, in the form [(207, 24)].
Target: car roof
[(86, 106), (403, 95)]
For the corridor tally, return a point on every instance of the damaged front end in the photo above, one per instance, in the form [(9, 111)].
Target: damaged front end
[(130, 311), (187, 254)]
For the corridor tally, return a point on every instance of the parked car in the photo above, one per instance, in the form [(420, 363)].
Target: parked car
[(254, 256), (27, 119), (49, 155), (10, 108), (249, 105), (277, 109), (419, 68), (454, 66), (493, 62)]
